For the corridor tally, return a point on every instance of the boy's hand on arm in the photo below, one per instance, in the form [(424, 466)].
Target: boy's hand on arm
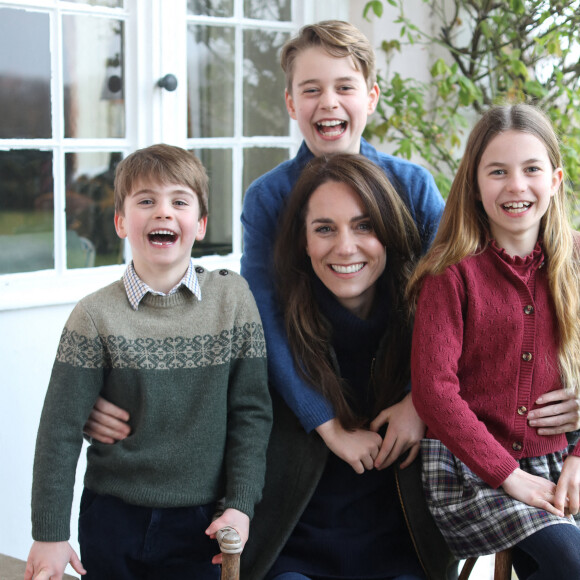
[(561, 413), (405, 431), (107, 423), (358, 448), (567, 498), (532, 490), (234, 519), (48, 560)]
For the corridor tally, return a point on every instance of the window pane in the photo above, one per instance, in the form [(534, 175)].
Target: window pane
[(259, 160), (218, 238), (264, 108), (268, 9), (90, 209), (27, 214), (105, 3), (24, 74), (210, 81), (93, 67), (222, 8)]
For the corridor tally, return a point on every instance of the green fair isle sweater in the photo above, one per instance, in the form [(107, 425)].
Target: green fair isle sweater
[(193, 377)]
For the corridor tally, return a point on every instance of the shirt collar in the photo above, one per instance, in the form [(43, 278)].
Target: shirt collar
[(136, 289)]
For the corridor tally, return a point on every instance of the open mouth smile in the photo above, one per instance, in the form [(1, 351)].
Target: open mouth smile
[(516, 206), (162, 237), (350, 269), (332, 128)]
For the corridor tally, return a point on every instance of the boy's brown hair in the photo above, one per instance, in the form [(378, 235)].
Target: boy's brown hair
[(162, 164), (339, 39)]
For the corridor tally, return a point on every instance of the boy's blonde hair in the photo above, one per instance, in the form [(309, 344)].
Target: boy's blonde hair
[(161, 164), (339, 39), (464, 228)]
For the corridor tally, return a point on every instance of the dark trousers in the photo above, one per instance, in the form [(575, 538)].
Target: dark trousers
[(120, 541), (553, 553)]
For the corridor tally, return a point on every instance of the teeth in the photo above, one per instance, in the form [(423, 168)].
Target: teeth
[(162, 233), (330, 123), (516, 206), (347, 269)]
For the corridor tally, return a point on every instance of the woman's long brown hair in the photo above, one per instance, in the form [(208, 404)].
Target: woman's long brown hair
[(309, 333)]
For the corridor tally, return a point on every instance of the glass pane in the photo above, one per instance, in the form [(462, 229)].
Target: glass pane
[(259, 160), (24, 74), (105, 3), (264, 107), (93, 71), (268, 9), (27, 214), (210, 81), (90, 210), (218, 238), (222, 8)]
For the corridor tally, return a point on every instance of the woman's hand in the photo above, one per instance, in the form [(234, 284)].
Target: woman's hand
[(405, 431), (234, 519), (358, 448), (532, 490), (560, 415), (107, 423), (567, 498)]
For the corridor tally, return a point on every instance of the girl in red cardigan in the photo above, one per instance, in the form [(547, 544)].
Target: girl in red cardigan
[(496, 329)]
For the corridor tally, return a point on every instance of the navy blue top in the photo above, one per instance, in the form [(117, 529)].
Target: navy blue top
[(353, 528)]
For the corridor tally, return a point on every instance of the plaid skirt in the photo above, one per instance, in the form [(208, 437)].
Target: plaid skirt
[(474, 518)]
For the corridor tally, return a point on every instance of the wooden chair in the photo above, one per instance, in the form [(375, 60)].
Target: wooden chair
[(230, 545), (502, 568)]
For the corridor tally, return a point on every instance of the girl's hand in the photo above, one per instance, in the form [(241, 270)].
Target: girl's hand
[(405, 431), (567, 496), (358, 448), (107, 423), (561, 415), (47, 560), (234, 519), (532, 490)]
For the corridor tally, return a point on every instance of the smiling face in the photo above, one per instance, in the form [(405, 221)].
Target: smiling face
[(516, 183), (161, 222), (330, 101), (345, 253)]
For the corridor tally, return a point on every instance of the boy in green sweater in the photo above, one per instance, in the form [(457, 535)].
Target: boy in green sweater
[(183, 350)]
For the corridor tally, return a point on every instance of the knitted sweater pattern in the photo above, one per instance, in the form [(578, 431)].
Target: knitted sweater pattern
[(192, 375), (263, 204), (485, 347)]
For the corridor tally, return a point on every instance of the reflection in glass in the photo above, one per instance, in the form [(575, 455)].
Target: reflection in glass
[(210, 81), (268, 9), (93, 71), (90, 210), (24, 74), (223, 8), (105, 3), (259, 160), (264, 108), (218, 238), (27, 211)]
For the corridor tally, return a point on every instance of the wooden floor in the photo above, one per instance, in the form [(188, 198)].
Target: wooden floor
[(13, 569)]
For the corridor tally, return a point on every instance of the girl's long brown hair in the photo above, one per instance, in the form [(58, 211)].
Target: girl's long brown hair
[(308, 331), (464, 228)]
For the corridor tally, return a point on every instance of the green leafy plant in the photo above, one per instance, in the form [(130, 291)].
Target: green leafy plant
[(490, 51)]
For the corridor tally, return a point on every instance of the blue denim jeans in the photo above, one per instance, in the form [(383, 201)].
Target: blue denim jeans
[(120, 541), (553, 553)]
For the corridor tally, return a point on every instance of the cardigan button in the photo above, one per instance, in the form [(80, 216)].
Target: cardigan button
[(522, 410), (527, 356), (517, 446), (224, 272), (529, 309), (199, 269)]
